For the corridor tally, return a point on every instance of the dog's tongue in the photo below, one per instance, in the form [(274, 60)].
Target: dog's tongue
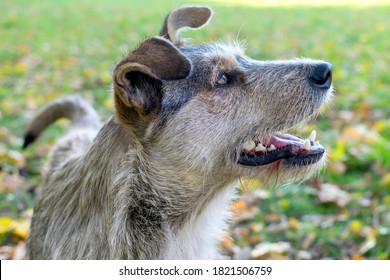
[(280, 140)]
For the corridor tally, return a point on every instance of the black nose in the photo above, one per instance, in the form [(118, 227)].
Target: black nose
[(321, 75)]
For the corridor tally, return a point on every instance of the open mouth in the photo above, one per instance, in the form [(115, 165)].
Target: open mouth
[(294, 150)]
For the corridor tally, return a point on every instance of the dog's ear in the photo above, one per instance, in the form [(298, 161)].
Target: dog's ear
[(138, 77), (191, 16)]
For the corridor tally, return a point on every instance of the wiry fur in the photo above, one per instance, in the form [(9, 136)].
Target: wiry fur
[(156, 181)]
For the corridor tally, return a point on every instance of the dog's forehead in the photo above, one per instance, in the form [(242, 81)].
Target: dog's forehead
[(219, 54)]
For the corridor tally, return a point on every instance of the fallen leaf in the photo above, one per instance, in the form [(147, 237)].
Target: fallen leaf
[(12, 157), (6, 224), (381, 125), (356, 226), (104, 78), (357, 257), (243, 210), (6, 252), (87, 73), (386, 179), (284, 203), (20, 68), (367, 245), (270, 248), (22, 228), (226, 242), (294, 223), (332, 193), (304, 255), (254, 239), (19, 252)]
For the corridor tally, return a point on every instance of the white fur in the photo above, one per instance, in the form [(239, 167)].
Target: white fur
[(200, 235)]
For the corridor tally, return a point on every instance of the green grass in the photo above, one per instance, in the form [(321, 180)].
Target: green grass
[(51, 48)]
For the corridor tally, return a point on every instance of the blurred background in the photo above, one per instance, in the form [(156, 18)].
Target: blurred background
[(51, 48)]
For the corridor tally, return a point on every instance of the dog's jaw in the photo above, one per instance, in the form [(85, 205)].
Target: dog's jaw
[(294, 150)]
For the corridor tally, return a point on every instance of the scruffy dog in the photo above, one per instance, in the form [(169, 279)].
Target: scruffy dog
[(155, 181)]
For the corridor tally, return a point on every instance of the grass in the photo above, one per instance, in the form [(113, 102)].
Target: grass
[(49, 49)]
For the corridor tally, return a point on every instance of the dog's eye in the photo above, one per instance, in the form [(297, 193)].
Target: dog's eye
[(222, 79)]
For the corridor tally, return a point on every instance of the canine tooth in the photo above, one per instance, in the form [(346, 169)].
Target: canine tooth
[(312, 136), (260, 148), (306, 145), (272, 147), (249, 145)]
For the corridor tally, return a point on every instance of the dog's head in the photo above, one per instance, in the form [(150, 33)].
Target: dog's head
[(210, 109)]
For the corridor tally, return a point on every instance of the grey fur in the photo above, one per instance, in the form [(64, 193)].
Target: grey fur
[(156, 181)]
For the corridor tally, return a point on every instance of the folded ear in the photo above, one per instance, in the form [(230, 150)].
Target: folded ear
[(138, 77), (191, 16)]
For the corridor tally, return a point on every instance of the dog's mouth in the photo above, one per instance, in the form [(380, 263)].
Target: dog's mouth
[(293, 150)]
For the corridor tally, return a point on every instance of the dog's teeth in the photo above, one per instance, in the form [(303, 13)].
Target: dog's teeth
[(260, 148), (272, 148), (306, 145), (312, 136), (249, 145)]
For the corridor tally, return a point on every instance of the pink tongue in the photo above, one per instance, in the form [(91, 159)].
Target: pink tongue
[(281, 140)]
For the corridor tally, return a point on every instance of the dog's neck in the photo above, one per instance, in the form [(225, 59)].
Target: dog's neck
[(181, 213)]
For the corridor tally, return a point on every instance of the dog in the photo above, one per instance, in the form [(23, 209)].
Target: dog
[(156, 179)]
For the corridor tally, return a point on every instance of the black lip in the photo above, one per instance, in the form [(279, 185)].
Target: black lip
[(292, 156), (303, 160)]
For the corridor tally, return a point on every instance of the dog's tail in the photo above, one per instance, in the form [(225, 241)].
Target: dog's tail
[(74, 108)]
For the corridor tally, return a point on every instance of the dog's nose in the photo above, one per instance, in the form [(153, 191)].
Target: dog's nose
[(321, 75)]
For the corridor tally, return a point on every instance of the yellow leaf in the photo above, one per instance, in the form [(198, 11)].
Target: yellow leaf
[(20, 68), (12, 157), (6, 224), (87, 72), (386, 180), (386, 200), (339, 151), (356, 226), (294, 223), (284, 203), (22, 228), (106, 78), (380, 125)]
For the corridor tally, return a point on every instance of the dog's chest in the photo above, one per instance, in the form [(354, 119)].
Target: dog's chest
[(199, 237)]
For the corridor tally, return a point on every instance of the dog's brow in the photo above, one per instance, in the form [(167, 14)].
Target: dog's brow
[(227, 62), (224, 55), (222, 60)]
